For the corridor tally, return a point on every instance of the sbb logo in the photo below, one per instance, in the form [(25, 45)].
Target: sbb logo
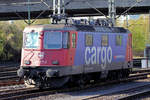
[(98, 55)]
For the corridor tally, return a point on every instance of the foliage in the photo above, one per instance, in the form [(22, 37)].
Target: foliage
[(42, 21), (10, 41), (138, 33), (11, 38), (139, 30)]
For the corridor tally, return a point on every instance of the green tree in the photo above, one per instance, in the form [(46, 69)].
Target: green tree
[(11, 38), (139, 30), (11, 41)]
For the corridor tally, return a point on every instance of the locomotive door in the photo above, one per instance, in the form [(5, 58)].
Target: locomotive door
[(73, 40), (130, 47), (129, 50)]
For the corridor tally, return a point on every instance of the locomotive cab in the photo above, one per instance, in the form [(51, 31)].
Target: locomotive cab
[(44, 50), (48, 48)]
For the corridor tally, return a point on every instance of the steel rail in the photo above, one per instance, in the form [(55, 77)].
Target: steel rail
[(136, 95), (37, 92)]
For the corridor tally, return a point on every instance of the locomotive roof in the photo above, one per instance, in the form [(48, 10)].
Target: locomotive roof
[(86, 28)]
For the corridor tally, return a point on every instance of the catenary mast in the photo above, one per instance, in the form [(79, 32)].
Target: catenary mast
[(112, 12)]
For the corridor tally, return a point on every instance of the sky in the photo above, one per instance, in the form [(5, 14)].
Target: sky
[(134, 16)]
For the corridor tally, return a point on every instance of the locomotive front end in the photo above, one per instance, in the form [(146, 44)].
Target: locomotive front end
[(43, 52)]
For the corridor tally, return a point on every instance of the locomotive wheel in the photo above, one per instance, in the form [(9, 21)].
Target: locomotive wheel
[(81, 83), (29, 83), (58, 82), (82, 80)]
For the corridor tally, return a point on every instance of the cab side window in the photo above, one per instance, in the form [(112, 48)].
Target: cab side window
[(119, 40), (104, 40), (73, 40)]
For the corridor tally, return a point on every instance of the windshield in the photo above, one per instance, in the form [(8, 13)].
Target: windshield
[(52, 40), (31, 40)]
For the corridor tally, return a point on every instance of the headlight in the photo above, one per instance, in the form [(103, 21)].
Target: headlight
[(27, 62), (56, 62)]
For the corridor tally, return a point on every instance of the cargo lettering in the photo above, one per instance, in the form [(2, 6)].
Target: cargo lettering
[(98, 55)]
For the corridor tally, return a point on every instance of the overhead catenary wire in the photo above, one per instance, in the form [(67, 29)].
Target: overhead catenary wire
[(67, 3), (38, 16), (96, 9), (45, 4), (41, 12), (21, 17), (137, 2), (29, 22)]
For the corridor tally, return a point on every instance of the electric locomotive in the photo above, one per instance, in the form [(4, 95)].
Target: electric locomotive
[(53, 55)]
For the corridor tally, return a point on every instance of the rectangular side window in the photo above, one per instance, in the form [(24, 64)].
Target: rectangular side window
[(73, 40), (52, 40), (65, 40), (104, 40), (119, 40), (88, 40)]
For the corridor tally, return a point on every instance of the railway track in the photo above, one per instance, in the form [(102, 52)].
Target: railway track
[(130, 93), (11, 82), (8, 71), (33, 92), (137, 95), (17, 93), (8, 75), (126, 94)]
